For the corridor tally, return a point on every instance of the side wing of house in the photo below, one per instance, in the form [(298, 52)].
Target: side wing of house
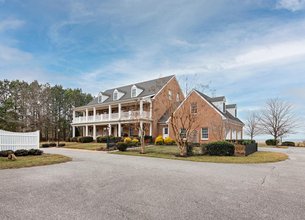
[(211, 122), (163, 102)]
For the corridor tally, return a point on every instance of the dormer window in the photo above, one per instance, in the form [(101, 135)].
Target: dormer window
[(133, 91), (115, 95), (177, 97), (102, 97)]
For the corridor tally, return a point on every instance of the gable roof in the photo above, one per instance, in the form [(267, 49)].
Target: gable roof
[(225, 114), (149, 88)]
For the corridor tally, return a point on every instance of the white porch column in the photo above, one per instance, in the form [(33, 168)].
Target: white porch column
[(119, 129), (94, 113), (87, 131), (87, 114), (109, 112), (150, 109), (73, 115), (119, 111), (150, 129), (141, 108), (73, 131), (94, 132), (84, 131), (109, 129)]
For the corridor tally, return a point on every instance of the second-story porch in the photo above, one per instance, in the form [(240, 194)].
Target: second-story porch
[(141, 110)]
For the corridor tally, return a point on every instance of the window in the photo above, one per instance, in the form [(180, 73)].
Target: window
[(194, 108), (204, 133), (169, 94), (115, 95), (177, 97), (165, 130), (100, 98), (133, 91), (182, 132)]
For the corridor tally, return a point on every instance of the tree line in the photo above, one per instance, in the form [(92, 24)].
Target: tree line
[(33, 106)]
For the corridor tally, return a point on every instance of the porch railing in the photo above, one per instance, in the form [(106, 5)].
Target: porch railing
[(130, 115)]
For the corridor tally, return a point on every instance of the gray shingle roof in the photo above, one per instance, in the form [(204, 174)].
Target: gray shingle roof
[(226, 114), (149, 88)]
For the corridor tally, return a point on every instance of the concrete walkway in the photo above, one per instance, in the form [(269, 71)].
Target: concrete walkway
[(97, 185)]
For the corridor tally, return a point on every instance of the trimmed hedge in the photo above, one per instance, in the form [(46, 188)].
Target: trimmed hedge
[(148, 139), (5, 153), (73, 139), (220, 148), (61, 145), (35, 152), (288, 143), (52, 144), (45, 145), (122, 146), (271, 142), (21, 152), (86, 139)]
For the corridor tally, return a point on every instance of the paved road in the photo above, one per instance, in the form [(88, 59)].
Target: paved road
[(97, 185)]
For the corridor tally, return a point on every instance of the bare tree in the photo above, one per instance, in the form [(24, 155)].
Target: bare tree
[(252, 127), (278, 119), (183, 126)]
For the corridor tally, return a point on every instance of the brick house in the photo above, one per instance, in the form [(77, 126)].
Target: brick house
[(123, 110), (214, 119)]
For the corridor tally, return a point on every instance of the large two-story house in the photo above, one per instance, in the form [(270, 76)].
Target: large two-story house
[(145, 106), (124, 110)]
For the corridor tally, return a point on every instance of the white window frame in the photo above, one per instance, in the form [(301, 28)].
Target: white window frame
[(177, 97), (163, 131), (134, 88), (170, 95), (192, 108), (117, 95), (202, 138)]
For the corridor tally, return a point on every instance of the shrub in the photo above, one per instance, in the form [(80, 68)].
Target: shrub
[(203, 149), (73, 139), (52, 144), (61, 145), (220, 148), (122, 146), (21, 152), (135, 142), (159, 140), (5, 153), (271, 142), (242, 141), (86, 139), (101, 139), (45, 145), (288, 143), (127, 140), (35, 152), (168, 141), (189, 150), (148, 139)]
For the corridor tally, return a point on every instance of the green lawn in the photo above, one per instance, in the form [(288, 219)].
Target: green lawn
[(85, 146), (31, 161), (268, 146), (170, 152)]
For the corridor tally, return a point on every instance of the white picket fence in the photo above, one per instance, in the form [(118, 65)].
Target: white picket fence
[(15, 140)]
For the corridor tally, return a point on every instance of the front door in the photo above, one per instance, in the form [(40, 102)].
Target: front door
[(165, 132)]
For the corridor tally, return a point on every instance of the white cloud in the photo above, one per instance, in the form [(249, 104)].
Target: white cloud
[(291, 5), (10, 23)]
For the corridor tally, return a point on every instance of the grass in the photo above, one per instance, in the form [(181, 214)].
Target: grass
[(269, 146), (170, 152), (31, 161), (85, 146)]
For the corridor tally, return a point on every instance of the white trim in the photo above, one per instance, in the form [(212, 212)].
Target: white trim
[(204, 139)]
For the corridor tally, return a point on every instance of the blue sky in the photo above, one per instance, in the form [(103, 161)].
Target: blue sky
[(246, 50)]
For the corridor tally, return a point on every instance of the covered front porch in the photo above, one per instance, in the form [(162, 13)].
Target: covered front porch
[(114, 129)]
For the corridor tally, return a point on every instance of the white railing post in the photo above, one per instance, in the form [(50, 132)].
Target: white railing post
[(87, 114), (94, 114), (119, 111), (109, 112)]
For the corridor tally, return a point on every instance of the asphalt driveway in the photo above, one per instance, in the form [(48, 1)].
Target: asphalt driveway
[(97, 185)]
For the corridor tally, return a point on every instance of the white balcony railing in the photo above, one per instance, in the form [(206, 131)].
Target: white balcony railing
[(131, 115)]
